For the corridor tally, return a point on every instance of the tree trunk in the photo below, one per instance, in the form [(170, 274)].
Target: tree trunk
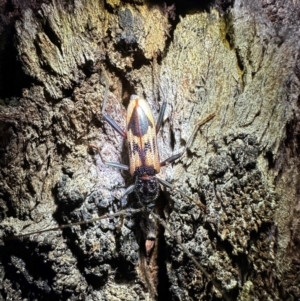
[(239, 60)]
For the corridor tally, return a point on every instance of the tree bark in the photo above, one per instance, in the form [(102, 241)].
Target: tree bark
[(239, 60)]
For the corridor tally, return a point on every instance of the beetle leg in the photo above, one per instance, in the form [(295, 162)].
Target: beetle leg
[(117, 165), (198, 124), (171, 159), (108, 163), (129, 190), (161, 116), (113, 124), (172, 187)]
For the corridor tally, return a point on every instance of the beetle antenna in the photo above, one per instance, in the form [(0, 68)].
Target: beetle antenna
[(85, 222)]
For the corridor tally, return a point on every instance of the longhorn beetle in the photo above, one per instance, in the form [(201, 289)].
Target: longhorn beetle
[(144, 165)]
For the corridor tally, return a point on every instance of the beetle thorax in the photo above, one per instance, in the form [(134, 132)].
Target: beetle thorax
[(146, 189)]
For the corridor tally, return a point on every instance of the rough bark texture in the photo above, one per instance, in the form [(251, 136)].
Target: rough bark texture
[(238, 59)]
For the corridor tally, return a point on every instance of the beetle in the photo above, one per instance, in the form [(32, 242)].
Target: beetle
[(144, 162)]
